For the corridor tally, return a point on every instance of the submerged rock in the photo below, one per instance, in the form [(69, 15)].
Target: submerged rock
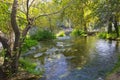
[(59, 44), (52, 50), (38, 55), (33, 48), (64, 38), (28, 53)]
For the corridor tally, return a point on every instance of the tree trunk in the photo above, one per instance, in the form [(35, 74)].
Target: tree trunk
[(16, 47), (85, 28), (116, 27), (12, 54), (110, 25), (6, 67)]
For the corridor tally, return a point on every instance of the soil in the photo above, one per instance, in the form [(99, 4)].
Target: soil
[(22, 76)]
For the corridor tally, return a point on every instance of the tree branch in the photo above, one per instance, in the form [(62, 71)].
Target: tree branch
[(5, 45), (31, 3), (28, 26), (61, 10)]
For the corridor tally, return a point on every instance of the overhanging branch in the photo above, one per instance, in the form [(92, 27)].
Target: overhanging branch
[(57, 12)]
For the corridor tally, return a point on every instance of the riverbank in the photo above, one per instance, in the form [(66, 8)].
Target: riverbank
[(113, 76), (115, 73), (22, 76)]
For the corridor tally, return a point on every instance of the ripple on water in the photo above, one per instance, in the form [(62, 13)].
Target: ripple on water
[(99, 57)]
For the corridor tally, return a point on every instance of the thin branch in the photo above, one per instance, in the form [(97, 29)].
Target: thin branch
[(28, 26), (61, 10), (31, 3), (27, 13)]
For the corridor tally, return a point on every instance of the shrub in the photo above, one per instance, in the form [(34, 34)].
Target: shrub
[(77, 32), (111, 36), (28, 43), (43, 35), (61, 34), (102, 35), (29, 66), (105, 35)]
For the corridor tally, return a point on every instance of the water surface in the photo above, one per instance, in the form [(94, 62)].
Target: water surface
[(77, 59)]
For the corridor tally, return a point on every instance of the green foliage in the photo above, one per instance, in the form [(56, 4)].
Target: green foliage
[(4, 17), (117, 65), (116, 68), (28, 43), (77, 32), (102, 35), (43, 35), (105, 35), (111, 36), (60, 34), (2, 52), (29, 66)]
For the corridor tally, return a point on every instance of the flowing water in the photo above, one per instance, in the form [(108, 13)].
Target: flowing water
[(76, 59)]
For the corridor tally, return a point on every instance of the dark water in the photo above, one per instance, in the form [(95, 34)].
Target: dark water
[(77, 59)]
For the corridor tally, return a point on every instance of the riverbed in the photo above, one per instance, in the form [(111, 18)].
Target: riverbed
[(82, 58)]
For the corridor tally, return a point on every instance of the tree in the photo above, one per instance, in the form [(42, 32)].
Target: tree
[(108, 13), (12, 54)]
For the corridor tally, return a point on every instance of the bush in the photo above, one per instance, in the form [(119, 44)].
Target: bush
[(111, 36), (61, 34), (43, 35), (77, 32), (105, 35), (102, 35), (28, 43), (29, 66)]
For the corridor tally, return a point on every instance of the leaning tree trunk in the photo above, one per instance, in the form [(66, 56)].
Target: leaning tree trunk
[(6, 67)]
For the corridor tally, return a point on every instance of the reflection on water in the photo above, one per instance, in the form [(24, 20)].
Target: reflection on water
[(55, 66), (78, 59)]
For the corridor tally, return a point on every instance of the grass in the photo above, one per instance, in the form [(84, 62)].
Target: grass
[(115, 70), (28, 43), (30, 66)]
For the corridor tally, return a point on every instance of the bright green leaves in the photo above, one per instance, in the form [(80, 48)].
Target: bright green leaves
[(4, 17)]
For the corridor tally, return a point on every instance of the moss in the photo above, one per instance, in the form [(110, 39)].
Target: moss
[(60, 34)]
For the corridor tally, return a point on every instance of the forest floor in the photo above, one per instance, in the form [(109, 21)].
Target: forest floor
[(22, 75)]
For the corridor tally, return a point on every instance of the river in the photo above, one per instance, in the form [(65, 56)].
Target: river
[(76, 58)]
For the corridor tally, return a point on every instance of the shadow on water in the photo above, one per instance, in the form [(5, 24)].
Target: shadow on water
[(77, 59)]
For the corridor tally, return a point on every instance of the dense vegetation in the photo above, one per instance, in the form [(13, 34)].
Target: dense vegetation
[(52, 18)]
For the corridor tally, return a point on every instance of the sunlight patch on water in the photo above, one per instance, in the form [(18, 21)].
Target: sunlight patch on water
[(55, 65), (104, 48)]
